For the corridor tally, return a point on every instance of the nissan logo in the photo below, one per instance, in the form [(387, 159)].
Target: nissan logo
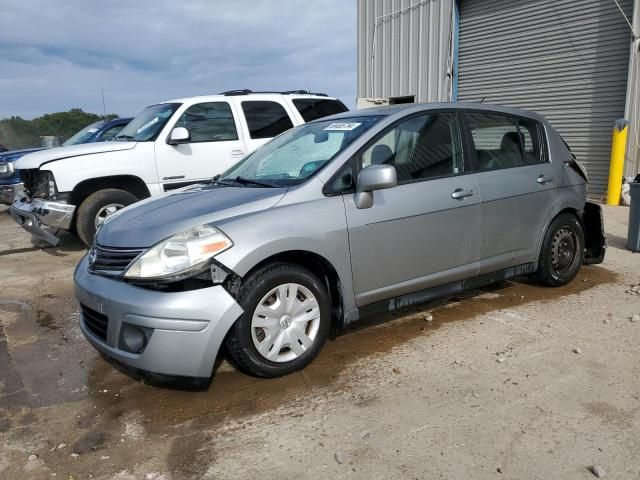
[(92, 257)]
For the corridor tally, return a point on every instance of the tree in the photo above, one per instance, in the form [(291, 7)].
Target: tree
[(16, 132)]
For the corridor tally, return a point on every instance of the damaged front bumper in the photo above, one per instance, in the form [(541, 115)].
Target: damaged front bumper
[(175, 334), (9, 192), (35, 214)]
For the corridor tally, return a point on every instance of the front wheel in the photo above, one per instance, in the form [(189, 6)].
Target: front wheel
[(94, 210), (562, 251), (286, 320)]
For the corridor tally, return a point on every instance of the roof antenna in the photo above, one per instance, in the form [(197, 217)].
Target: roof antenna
[(306, 84), (104, 108), (483, 99)]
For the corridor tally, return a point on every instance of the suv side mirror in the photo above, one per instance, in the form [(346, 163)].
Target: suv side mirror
[(373, 177), (179, 135)]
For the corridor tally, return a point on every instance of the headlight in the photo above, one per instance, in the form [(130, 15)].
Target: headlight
[(184, 252), (6, 169)]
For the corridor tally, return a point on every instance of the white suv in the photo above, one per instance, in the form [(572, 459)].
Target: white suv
[(167, 146)]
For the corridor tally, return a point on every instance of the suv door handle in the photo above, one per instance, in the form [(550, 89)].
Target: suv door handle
[(542, 179), (237, 153), (459, 193)]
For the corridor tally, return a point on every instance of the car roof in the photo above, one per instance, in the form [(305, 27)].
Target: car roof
[(406, 109), (218, 97), (122, 119)]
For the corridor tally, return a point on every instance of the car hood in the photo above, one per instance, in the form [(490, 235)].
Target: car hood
[(36, 159), (13, 155), (148, 222)]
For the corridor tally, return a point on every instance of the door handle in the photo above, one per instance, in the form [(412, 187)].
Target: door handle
[(237, 153), (459, 193), (542, 179)]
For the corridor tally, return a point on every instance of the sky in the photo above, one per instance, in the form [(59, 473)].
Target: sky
[(59, 55)]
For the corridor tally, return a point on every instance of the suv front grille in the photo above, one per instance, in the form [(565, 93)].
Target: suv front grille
[(111, 261), (96, 322)]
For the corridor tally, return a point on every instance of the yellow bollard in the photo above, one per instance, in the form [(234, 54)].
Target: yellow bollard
[(618, 147)]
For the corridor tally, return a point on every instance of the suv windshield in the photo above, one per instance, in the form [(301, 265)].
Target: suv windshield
[(299, 153), (83, 135), (148, 123)]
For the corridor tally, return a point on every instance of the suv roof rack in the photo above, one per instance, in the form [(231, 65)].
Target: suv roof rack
[(246, 91)]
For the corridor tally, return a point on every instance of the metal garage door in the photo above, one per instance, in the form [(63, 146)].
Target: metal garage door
[(566, 59)]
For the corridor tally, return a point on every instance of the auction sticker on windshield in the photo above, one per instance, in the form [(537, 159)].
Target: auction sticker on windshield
[(343, 126), (148, 124)]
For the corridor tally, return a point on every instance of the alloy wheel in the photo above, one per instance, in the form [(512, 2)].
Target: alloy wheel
[(105, 211)]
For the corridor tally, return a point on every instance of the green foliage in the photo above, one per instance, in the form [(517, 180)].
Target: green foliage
[(16, 132)]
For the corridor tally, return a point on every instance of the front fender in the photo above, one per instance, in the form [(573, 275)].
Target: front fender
[(317, 226), (139, 162)]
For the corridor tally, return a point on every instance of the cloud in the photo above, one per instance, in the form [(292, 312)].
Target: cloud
[(58, 57)]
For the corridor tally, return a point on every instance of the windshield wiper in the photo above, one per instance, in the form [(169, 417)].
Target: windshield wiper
[(249, 181), (240, 180), (124, 137)]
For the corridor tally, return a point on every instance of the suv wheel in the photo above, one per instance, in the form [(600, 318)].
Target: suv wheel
[(562, 251), (286, 321), (97, 207)]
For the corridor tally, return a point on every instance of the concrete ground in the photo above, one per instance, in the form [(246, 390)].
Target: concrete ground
[(491, 388)]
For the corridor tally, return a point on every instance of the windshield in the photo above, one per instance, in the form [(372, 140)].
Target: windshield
[(148, 123), (84, 135), (299, 153)]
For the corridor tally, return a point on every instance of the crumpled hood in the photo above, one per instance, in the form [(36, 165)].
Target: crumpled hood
[(146, 223), (36, 159), (13, 155)]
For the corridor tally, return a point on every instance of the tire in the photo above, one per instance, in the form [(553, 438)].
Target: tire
[(298, 330), (562, 251), (97, 204)]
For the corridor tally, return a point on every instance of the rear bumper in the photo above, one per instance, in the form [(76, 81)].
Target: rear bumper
[(35, 214), (594, 236), (184, 329), (8, 192)]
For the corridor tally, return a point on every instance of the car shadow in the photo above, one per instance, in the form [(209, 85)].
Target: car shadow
[(616, 241), (69, 243)]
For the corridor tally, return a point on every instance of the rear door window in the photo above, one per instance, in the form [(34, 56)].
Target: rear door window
[(209, 122), (314, 108), (266, 119), (503, 141)]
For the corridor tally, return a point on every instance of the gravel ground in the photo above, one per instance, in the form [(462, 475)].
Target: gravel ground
[(514, 381)]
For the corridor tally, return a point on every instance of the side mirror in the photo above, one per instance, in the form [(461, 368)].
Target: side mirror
[(179, 135), (373, 177)]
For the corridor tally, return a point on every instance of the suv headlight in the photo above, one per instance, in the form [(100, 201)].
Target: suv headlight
[(6, 169), (182, 253)]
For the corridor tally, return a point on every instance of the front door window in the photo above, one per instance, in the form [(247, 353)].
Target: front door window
[(423, 147)]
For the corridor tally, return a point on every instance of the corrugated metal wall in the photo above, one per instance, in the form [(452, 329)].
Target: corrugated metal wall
[(412, 48), (566, 59)]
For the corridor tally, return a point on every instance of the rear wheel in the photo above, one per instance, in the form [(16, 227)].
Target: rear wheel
[(286, 321), (95, 209), (562, 251)]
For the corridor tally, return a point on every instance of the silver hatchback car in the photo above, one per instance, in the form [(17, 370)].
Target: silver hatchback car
[(359, 213)]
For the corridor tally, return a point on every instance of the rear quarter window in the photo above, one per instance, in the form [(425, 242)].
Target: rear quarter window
[(314, 108), (265, 119)]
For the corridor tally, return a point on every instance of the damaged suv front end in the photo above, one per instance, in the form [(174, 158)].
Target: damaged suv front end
[(39, 205)]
